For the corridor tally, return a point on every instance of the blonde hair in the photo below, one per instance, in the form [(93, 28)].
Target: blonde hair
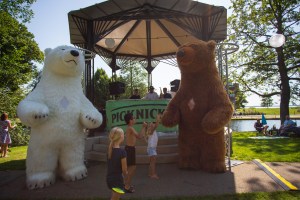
[(114, 136)]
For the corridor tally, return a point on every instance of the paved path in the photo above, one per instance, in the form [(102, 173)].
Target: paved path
[(246, 177)]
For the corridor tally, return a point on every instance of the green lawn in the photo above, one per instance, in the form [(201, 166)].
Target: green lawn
[(246, 196), (15, 160), (270, 111), (276, 150)]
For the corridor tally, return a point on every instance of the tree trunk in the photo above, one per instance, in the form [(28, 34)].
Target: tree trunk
[(285, 87)]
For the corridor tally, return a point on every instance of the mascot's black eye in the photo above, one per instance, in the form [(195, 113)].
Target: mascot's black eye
[(63, 49)]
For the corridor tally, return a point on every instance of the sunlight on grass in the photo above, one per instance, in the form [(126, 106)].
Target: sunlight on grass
[(272, 150), (270, 111), (15, 160), (245, 196)]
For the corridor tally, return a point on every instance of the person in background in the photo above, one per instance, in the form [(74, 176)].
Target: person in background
[(116, 163), (165, 94), (288, 126), (152, 140), (260, 127), (288, 122), (135, 94), (151, 95), (131, 136), (5, 139)]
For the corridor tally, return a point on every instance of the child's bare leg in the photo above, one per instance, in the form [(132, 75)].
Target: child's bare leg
[(150, 173), (115, 196), (128, 178), (152, 167), (4, 150)]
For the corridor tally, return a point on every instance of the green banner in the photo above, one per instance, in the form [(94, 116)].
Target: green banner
[(142, 110)]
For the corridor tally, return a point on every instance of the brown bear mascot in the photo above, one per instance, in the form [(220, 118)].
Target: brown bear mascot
[(201, 108)]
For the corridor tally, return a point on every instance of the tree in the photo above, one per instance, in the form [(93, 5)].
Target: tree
[(134, 76), (258, 67), (237, 97), (266, 101), (240, 99), (18, 9), (101, 81), (18, 52)]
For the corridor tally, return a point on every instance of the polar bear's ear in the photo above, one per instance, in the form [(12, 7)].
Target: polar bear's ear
[(211, 44), (47, 51)]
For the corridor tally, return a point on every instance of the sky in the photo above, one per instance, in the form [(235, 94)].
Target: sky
[(50, 27)]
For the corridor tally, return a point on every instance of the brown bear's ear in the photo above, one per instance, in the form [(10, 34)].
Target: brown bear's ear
[(211, 44)]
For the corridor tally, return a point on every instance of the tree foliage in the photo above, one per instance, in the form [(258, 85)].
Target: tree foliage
[(101, 81), (258, 67), (18, 51), (266, 101), (134, 76), (240, 100), (18, 9)]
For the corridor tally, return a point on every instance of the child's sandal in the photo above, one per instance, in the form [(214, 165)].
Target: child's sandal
[(130, 190)]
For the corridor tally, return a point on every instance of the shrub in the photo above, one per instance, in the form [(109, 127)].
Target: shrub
[(20, 135)]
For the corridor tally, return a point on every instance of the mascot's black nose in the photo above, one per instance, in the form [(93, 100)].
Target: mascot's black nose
[(74, 53), (180, 53)]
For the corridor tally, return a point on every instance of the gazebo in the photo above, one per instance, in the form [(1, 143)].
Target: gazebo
[(148, 32), (145, 31)]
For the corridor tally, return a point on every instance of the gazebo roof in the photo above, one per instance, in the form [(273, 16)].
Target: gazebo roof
[(148, 31)]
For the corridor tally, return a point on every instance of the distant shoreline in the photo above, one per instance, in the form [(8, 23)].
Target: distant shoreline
[(253, 117), (270, 106)]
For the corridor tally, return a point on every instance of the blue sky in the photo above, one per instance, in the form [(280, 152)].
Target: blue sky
[(50, 27)]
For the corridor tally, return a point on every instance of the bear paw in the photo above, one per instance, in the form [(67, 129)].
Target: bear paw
[(33, 113), (40, 117), (76, 173), (89, 121), (170, 118), (40, 180)]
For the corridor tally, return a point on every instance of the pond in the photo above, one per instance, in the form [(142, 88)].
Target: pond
[(248, 125)]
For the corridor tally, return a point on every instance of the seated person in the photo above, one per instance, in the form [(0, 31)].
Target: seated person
[(274, 131), (288, 126), (135, 94), (260, 127), (151, 95), (165, 95)]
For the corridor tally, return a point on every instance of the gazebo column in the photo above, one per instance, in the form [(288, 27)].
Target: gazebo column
[(89, 64), (205, 25), (149, 79)]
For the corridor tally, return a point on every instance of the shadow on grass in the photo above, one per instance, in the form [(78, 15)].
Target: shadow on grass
[(276, 149), (280, 146), (13, 165)]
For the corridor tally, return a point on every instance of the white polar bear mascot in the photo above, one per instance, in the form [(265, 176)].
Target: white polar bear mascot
[(57, 112)]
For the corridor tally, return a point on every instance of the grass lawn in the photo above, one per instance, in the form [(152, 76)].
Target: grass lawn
[(270, 111), (272, 150), (246, 196), (244, 148), (15, 160)]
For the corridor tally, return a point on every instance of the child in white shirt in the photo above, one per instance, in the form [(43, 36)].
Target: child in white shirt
[(152, 140)]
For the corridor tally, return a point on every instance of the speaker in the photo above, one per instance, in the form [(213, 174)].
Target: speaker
[(116, 88), (175, 85)]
